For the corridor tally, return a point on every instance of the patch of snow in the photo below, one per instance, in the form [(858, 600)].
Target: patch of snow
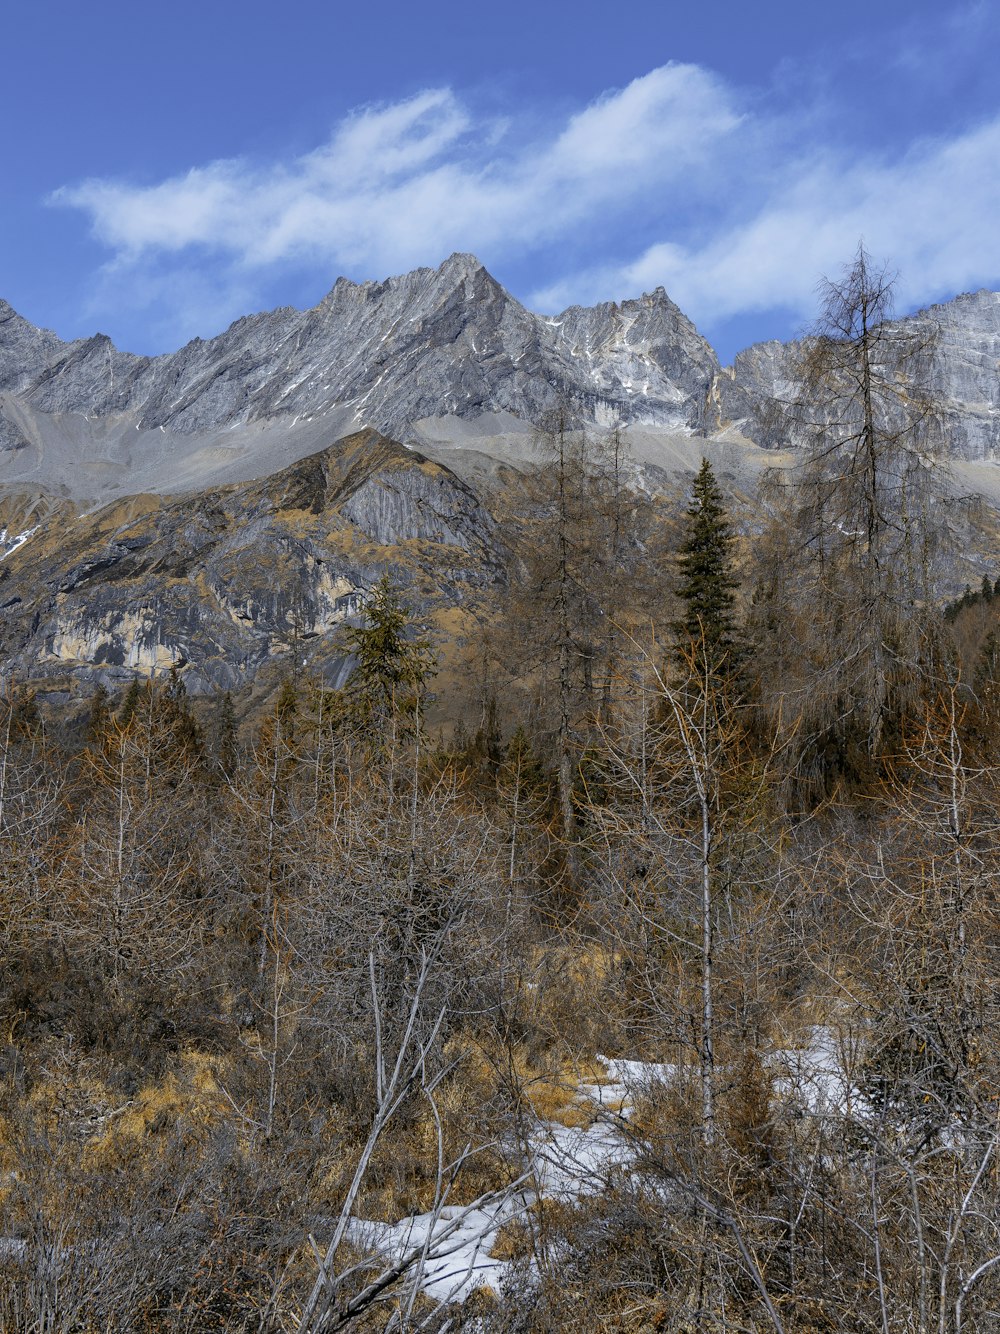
[(628, 1079), (455, 1247), (566, 1163), (9, 544), (572, 1161), (816, 1075)]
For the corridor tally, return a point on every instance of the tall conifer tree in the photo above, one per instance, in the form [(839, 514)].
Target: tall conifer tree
[(392, 666), (706, 584)]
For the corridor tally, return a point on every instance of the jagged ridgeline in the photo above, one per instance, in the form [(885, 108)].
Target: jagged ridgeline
[(214, 506)]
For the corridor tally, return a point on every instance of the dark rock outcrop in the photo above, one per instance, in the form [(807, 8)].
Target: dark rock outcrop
[(222, 583)]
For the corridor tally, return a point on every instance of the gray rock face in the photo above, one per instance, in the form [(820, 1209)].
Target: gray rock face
[(957, 365), (281, 511), (431, 343), (434, 343), (646, 361), (962, 371), (224, 582)]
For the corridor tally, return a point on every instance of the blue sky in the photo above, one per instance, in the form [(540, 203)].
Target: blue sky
[(167, 168)]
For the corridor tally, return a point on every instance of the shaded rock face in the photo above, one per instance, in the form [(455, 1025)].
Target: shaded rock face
[(429, 343), (222, 583), (956, 364)]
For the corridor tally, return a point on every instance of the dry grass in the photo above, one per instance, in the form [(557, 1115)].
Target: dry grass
[(192, 1093), (559, 1100)]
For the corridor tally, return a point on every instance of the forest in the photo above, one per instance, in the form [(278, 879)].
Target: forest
[(644, 952)]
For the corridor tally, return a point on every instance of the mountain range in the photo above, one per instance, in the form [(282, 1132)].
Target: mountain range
[(224, 505)]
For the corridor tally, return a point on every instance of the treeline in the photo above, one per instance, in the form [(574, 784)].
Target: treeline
[(723, 803)]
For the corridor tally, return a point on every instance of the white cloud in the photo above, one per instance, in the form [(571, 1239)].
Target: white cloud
[(668, 120), (262, 214), (931, 215), (399, 183), (731, 212)]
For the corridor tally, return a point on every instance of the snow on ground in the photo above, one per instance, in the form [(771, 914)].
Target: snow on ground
[(817, 1074), (566, 1163), (456, 1247), (9, 544), (570, 1162), (626, 1081)]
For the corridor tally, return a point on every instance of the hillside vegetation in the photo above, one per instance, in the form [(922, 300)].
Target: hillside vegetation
[(660, 992)]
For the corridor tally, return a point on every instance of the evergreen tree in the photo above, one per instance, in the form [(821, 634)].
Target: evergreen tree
[(391, 666), (225, 742), (178, 716), (130, 703), (97, 719), (707, 584)]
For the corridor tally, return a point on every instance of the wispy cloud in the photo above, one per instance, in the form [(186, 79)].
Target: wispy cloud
[(671, 180), (398, 182), (931, 214)]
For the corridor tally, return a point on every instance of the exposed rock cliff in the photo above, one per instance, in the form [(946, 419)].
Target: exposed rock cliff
[(956, 363), (223, 582)]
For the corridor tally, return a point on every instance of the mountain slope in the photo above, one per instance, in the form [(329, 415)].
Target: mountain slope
[(223, 582), (225, 504), (432, 343), (957, 366)]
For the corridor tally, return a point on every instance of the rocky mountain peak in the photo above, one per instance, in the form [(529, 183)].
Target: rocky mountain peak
[(400, 354), (461, 266), (432, 343), (458, 269)]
